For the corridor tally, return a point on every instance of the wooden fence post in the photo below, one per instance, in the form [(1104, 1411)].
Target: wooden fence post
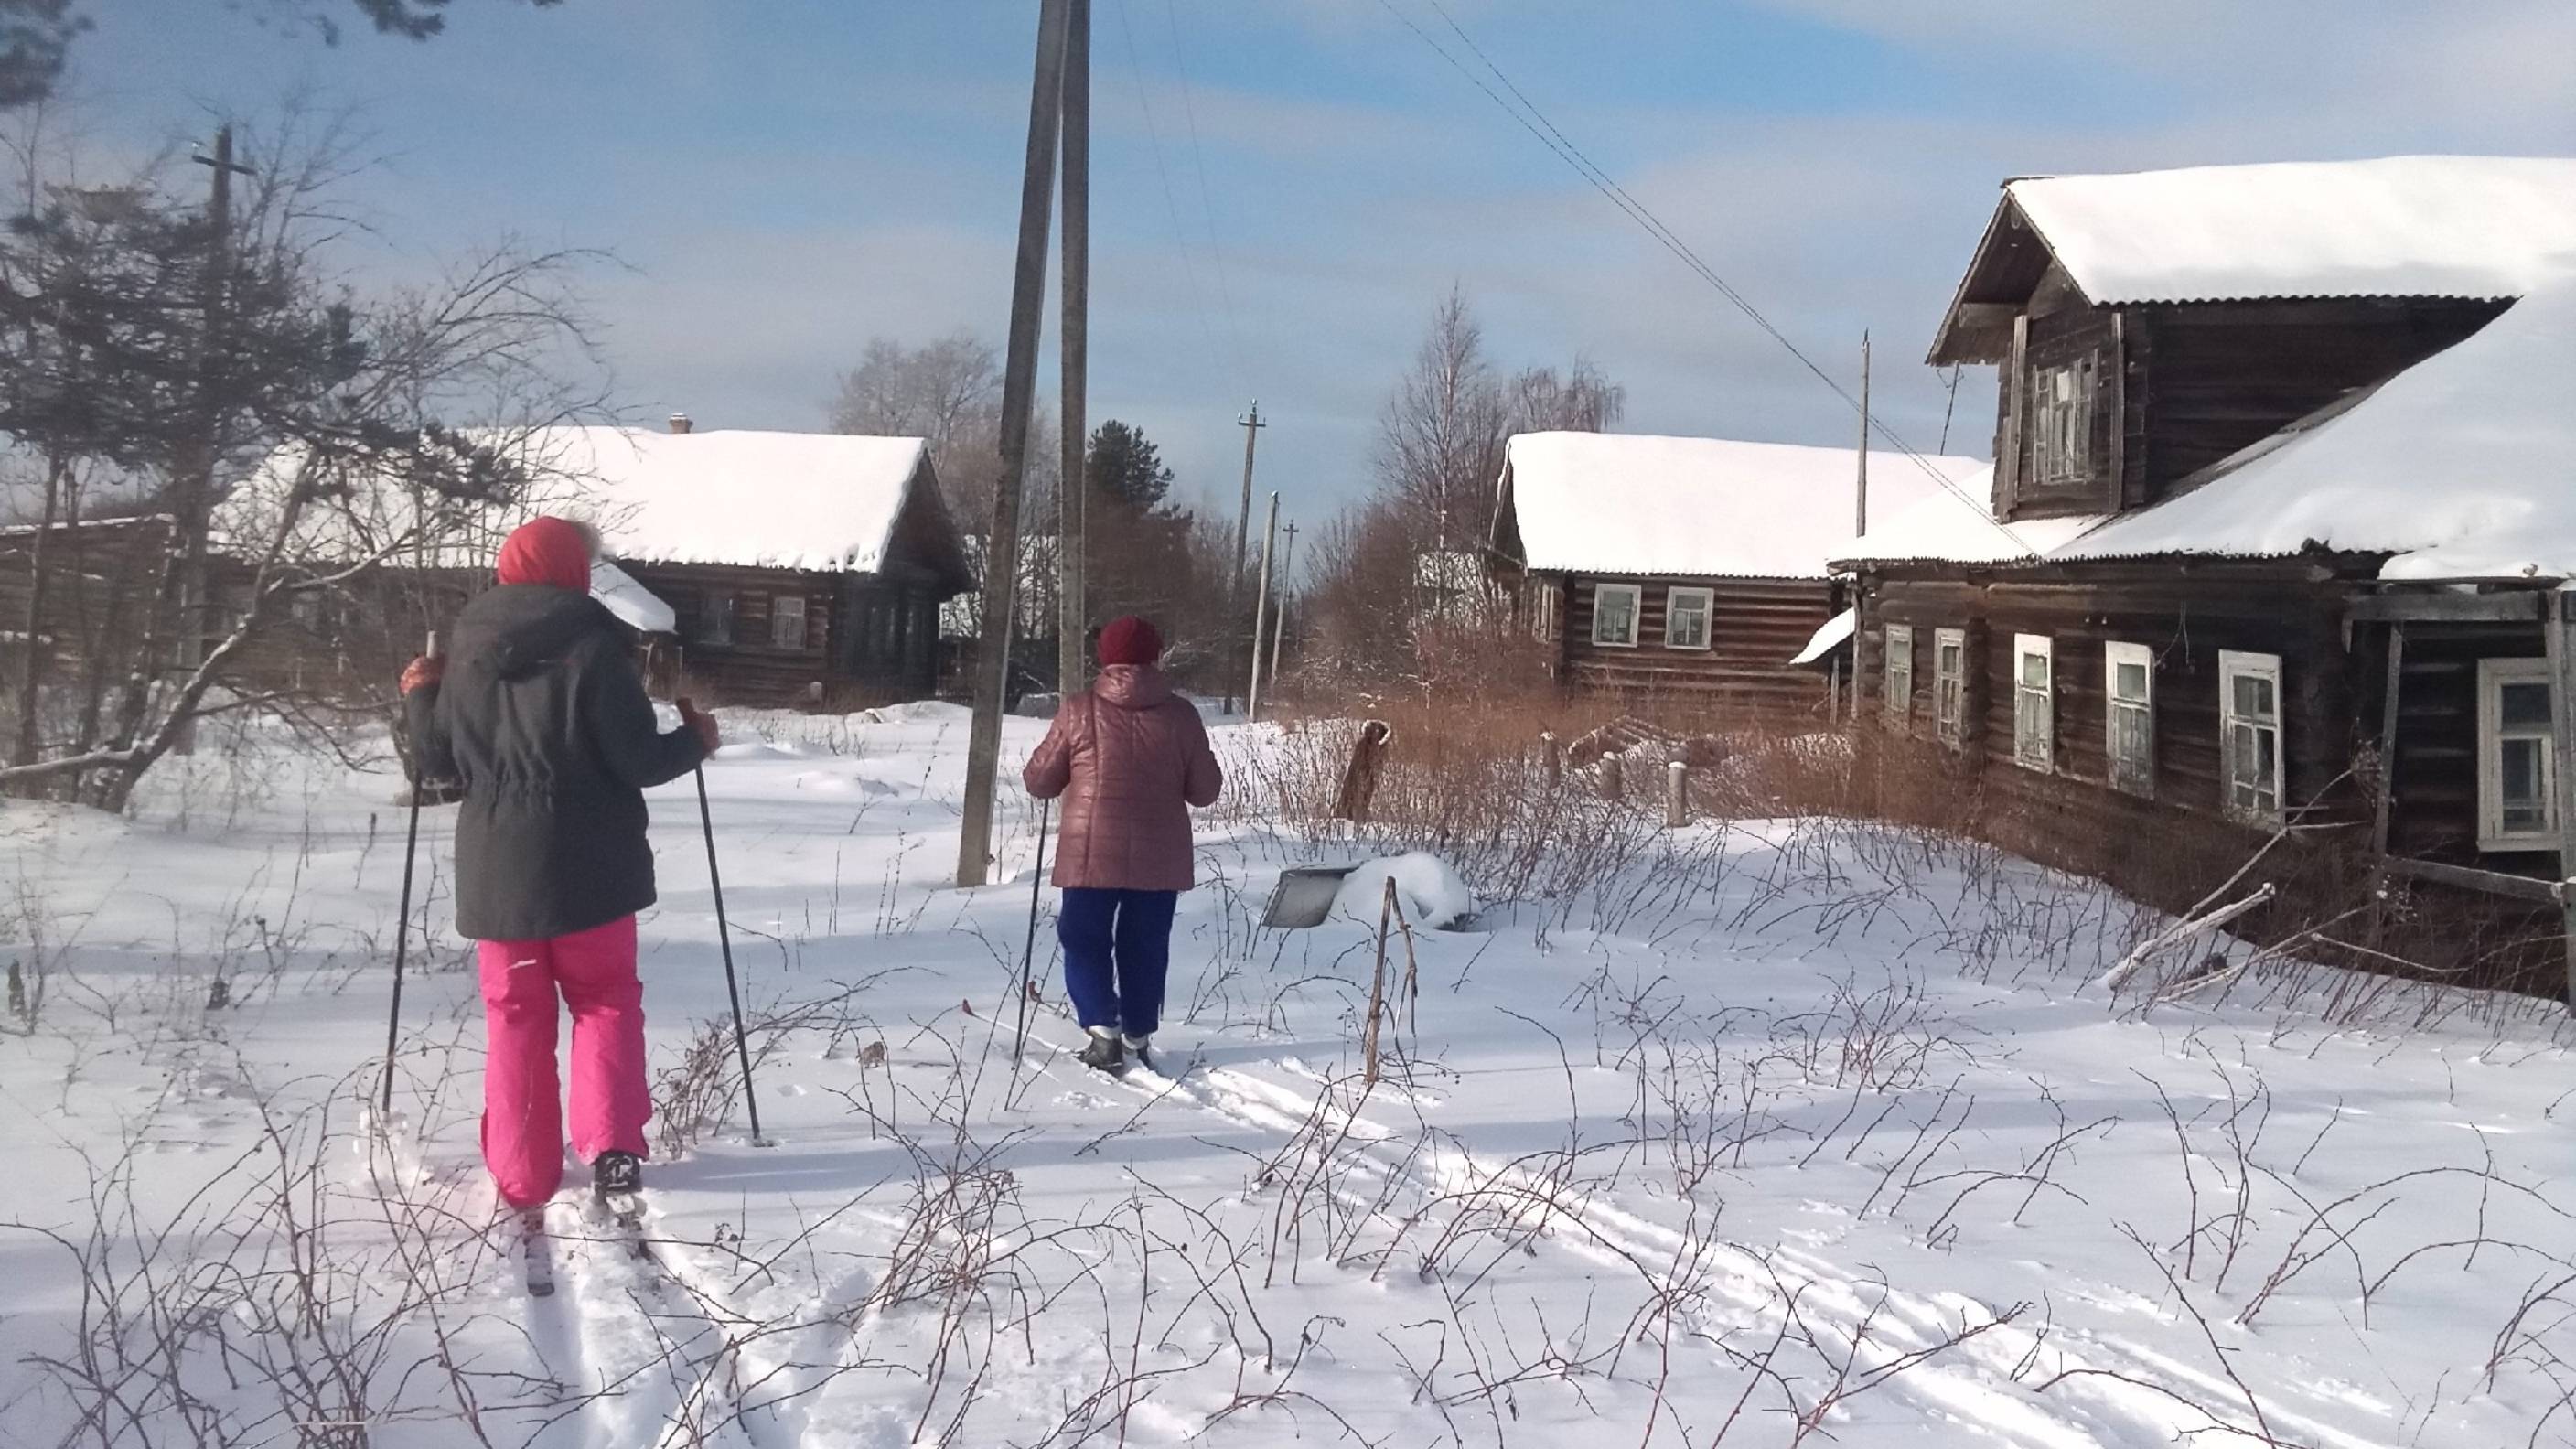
[(1359, 782), (1377, 988), (1613, 787), (1551, 758), (1677, 794)]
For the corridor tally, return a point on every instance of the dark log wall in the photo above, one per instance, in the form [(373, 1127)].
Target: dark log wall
[(863, 638), (2435, 806), (2186, 617), (2191, 384), (1756, 626)]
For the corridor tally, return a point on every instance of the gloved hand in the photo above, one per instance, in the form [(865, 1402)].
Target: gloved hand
[(423, 672), (691, 718)]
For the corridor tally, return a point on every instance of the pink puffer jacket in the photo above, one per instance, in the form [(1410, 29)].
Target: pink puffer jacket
[(1129, 757)]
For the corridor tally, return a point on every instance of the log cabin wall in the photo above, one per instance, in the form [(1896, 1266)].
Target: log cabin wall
[(2171, 848), (728, 621), (2177, 388), (1756, 626)]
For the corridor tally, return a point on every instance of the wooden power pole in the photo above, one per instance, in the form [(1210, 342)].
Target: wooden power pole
[(1019, 388), (1279, 609), (1860, 494), (1252, 425), (1073, 615), (1261, 609)]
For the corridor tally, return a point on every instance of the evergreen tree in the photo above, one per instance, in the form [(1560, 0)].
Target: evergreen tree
[(1126, 470)]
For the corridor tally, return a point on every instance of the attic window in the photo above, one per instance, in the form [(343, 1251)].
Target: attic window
[(2061, 424)]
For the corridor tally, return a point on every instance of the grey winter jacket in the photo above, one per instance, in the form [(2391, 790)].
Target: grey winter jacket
[(1129, 757), (542, 717)]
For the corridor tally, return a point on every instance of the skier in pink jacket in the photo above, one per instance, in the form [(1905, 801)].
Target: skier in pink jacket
[(1130, 758)]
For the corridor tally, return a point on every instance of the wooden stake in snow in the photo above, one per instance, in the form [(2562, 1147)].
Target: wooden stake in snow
[(1612, 786), (1551, 757), (1677, 794), (1359, 782), (1377, 987)]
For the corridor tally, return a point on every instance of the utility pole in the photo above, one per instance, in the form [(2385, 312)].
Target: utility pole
[(1279, 613), (1261, 609), (1019, 387), (1252, 426), (1073, 614), (197, 495), (1860, 495)]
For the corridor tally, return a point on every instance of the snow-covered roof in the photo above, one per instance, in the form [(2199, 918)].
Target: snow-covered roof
[(2462, 467), (1951, 528), (2410, 226), (816, 502), (637, 606), (1623, 503), (823, 502), (1829, 636)]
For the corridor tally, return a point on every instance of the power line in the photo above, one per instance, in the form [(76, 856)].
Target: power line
[(1207, 205), (1171, 204), (1535, 121)]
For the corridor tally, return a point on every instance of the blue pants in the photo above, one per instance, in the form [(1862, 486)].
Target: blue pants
[(1117, 950)]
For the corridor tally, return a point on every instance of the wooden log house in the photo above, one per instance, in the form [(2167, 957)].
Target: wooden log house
[(1686, 572), (2285, 497)]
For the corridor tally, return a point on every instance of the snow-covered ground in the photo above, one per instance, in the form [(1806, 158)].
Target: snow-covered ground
[(1777, 1130)]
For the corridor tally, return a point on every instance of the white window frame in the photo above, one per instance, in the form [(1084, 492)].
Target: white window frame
[(1896, 662), (2233, 665), (1950, 687), (783, 607), (1636, 614), (2138, 776), (1707, 610), (2035, 707), (2061, 427), (2493, 675)]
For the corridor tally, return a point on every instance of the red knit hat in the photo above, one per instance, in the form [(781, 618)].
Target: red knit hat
[(1130, 640), (547, 550)]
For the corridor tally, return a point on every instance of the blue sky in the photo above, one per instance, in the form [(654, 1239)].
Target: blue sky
[(780, 180)]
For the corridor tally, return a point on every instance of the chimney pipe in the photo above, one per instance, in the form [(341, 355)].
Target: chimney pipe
[(680, 423)]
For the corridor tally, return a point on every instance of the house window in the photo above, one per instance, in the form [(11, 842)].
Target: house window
[(2517, 806), (1950, 684), (2129, 718), (715, 621), (1543, 617), (2035, 702), (1899, 641), (2249, 701), (1614, 614), (2061, 424), (1686, 618), (787, 622)]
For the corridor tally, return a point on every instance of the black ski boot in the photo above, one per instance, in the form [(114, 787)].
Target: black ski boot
[(617, 1181), (1104, 1054)]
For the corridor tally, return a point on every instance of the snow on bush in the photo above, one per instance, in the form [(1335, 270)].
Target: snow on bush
[(1426, 890)]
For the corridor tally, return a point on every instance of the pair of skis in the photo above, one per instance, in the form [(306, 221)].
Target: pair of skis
[(536, 1256)]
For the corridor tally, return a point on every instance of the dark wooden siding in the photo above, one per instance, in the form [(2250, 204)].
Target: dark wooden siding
[(2182, 386), (865, 639), (1756, 626), (2169, 850)]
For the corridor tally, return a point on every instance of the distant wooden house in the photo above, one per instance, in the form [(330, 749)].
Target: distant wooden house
[(2284, 502), (1688, 570)]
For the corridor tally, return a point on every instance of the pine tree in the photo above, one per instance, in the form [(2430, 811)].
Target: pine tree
[(1126, 470)]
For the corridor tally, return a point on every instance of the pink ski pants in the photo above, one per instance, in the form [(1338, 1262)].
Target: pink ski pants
[(522, 1101)]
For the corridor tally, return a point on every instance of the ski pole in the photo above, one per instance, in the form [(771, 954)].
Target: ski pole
[(724, 943), (1029, 950), (402, 920)]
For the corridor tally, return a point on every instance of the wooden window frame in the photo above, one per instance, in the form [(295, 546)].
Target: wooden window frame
[(2493, 675), (2068, 421), (2235, 664), (1950, 688), (1707, 616), (719, 620), (2041, 646), (2130, 777), (1896, 660), (1636, 615), (782, 607)]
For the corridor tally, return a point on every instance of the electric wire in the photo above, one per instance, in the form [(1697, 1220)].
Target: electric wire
[(1535, 121)]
